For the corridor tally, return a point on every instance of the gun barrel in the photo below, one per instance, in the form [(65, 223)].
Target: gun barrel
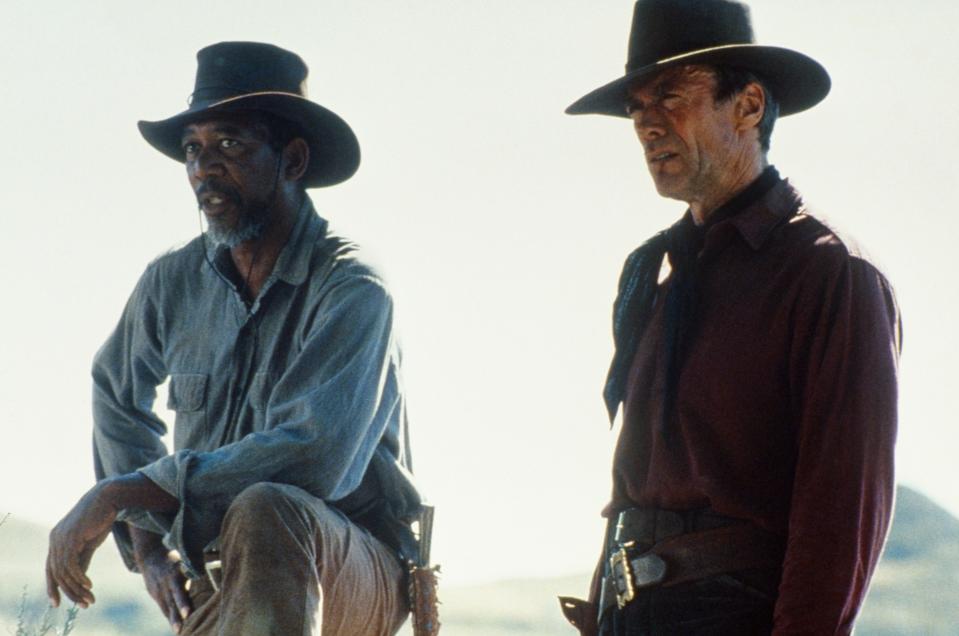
[(426, 534)]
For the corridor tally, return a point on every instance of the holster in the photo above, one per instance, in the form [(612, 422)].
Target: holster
[(423, 581), (580, 614)]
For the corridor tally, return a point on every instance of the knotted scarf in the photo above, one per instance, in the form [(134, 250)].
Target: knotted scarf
[(639, 287)]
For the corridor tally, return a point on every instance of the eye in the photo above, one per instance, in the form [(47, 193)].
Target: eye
[(670, 100), (633, 107), (227, 143), (190, 148)]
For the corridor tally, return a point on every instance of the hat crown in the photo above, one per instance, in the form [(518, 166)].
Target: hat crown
[(228, 69), (662, 29)]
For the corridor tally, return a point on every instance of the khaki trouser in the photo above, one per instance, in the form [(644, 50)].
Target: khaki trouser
[(293, 565)]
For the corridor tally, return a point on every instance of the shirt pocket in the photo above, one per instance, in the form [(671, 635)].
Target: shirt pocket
[(187, 397)]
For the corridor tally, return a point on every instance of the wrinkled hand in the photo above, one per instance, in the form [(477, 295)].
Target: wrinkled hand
[(167, 585), (72, 544)]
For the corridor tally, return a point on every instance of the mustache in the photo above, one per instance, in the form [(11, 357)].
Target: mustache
[(214, 186)]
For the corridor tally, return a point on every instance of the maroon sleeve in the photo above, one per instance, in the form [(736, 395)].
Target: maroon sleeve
[(842, 366)]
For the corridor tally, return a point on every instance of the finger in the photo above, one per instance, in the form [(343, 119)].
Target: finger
[(73, 589), (182, 599), (69, 582), (84, 556), (71, 592), (172, 617), (52, 592), (78, 581), (76, 594), (169, 605), (159, 595), (83, 563), (56, 579), (63, 562)]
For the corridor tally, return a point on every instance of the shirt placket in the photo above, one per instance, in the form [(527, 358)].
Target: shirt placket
[(243, 367)]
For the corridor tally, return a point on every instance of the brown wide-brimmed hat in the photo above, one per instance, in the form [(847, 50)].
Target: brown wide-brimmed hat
[(251, 76), (667, 33)]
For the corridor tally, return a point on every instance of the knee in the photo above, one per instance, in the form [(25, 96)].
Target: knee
[(269, 515), (259, 511), (259, 498)]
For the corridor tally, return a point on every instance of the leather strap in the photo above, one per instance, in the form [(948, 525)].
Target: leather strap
[(698, 555), (690, 557)]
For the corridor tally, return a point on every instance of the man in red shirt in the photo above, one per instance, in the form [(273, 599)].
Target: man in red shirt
[(756, 357)]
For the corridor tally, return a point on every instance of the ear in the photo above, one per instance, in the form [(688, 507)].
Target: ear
[(296, 157), (750, 106)]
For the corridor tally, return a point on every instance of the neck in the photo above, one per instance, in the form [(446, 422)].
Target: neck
[(732, 182), (255, 259)]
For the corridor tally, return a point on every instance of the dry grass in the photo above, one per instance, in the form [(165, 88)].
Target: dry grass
[(31, 622)]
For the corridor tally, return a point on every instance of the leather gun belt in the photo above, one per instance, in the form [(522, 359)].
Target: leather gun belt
[(653, 547)]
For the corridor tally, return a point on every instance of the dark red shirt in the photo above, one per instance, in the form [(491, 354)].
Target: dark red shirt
[(785, 412)]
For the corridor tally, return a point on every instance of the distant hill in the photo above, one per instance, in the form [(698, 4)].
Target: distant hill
[(920, 528), (916, 586), (915, 591)]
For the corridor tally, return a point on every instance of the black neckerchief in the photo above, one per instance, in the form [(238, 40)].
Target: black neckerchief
[(638, 286)]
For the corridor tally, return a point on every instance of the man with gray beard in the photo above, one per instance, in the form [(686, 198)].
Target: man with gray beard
[(285, 507)]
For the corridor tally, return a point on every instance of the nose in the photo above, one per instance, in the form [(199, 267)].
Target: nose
[(204, 163)]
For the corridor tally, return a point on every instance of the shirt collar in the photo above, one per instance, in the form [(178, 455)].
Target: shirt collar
[(293, 264), (757, 221)]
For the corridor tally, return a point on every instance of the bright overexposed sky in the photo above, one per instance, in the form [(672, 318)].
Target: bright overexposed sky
[(500, 222)]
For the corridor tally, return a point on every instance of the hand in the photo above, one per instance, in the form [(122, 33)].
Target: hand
[(166, 584), (161, 573), (72, 544)]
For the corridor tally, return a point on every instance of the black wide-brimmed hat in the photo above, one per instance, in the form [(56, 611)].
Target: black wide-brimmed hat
[(250, 76), (667, 33)]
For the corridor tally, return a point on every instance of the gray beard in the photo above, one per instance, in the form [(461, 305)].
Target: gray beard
[(250, 226), (230, 237)]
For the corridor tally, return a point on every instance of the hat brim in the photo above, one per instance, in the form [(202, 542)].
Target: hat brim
[(334, 149), (797, 81)]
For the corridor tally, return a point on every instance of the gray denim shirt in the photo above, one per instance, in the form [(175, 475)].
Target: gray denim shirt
[(302, 388)]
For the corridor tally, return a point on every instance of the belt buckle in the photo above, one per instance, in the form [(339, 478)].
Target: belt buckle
[(622, 575), (214, 570)]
